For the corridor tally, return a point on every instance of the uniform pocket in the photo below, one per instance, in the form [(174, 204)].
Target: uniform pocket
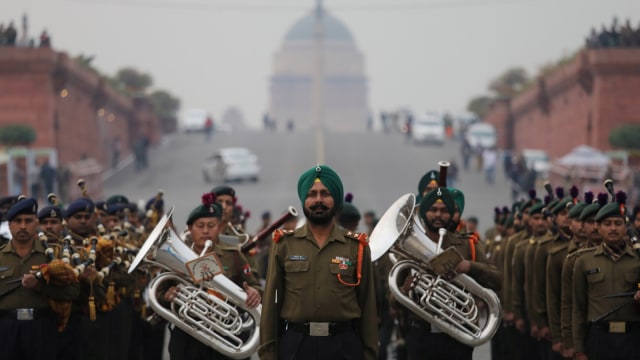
[(297, 274), (296, 266), (632, 278), (595, 278), (6, 272), (347, 275)]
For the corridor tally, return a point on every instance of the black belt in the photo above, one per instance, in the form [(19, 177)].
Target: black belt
[(321, 328), (617, 327), (33, 314)]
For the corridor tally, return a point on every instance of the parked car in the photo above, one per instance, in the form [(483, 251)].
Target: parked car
[(193, 120), (481, 135), (537, 160), (231, 164), (428, 128)]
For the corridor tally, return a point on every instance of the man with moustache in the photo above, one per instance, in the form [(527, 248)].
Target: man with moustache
[(607, 327), (577, 242), (27, 323), (435, 210), (319, 297)]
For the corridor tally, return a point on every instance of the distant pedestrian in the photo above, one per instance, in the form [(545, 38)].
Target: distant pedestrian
[(45, 40), (489, 160), (466, 152), (48, 176), (10, 35), (452, 174), (116, 149), (208, 128)]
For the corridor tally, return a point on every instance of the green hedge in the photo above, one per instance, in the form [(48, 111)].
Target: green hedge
[(12, 135)]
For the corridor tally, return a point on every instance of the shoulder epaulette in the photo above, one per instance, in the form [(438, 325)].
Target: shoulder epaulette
[(361, 237), (279, 233), (581, 251)]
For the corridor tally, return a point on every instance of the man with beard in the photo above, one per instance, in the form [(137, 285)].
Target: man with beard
[(319, 297), (27, 321), (435, 210), (607, 327)]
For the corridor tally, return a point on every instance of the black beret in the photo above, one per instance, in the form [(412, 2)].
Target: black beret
[(8, 200), (117, 199), (101, 205), (437, 194), (27, 206), (157, 204), (208, 209), (115, 209), (50, 212), (224, 190), (81, 204)]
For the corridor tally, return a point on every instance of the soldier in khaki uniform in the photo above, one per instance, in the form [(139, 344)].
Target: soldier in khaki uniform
[(607, 328), (28, 324), (203, 223), (436, 209), (319, 297), (555, 259), (578, 241), (527, 348)]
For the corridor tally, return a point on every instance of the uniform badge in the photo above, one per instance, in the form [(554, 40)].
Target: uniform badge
[(343, 263), (297, 258)]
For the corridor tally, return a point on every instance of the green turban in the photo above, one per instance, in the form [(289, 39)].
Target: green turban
[(328, 177), (437, 194), (458, 198)]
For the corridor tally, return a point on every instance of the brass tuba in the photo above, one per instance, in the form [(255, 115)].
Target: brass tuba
[(220, 320), (460, 308)]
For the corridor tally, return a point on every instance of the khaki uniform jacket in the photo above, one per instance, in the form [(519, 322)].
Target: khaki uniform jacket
[(507, 269), (555, 260), (236, 266), (538, 295), (482, 271), (518, 279), (12, 266), (497, 259), (566, 301), (305, 279), (595, 275)]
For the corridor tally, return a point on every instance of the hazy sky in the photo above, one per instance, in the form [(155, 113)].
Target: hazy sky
[(424, 54)]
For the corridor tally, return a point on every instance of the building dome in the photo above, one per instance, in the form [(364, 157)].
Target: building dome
[(304, 28)]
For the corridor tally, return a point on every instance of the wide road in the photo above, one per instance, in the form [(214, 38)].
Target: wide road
[(375, 167)]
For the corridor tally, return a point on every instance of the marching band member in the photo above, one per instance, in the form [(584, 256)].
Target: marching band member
[(27, 320)]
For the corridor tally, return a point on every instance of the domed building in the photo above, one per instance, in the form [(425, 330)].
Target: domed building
[(343, 93)]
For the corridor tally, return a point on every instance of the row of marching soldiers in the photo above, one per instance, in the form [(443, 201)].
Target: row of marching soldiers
[(571, 274), (65, 291)]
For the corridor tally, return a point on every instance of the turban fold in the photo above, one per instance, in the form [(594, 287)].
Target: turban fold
[(328, 177), (437, 194), (458, 198)]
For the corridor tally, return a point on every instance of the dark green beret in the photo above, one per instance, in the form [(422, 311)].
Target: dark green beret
[(537, 208), (328, 177), (28, 206), (552, 205), (117, 199), (224, 190), (426, 179), (458, 198), (442, 194), (561, 204), (213, 210), (610, 210), (50, 211), (508, 222), (592, 209), (576, 210), (348, 213)]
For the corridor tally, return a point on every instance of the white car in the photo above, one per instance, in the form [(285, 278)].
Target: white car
[(481, 135), (537, 160), (428, 128), (231, 164)]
